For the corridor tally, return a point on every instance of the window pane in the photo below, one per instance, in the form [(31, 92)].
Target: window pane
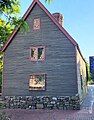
[(37, 53), (36, 24), (34, 53), (40, 53), (37, 82)]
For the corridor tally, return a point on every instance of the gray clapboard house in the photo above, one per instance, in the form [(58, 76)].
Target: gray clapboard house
[(44, 61)]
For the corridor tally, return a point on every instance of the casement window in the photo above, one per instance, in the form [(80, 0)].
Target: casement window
[(36, 24), (37, 53), (37, 82)]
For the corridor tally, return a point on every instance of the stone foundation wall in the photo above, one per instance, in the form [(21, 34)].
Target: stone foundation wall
[(42, 102)]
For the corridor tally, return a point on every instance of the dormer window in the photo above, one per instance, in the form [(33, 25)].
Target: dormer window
[(36, 24), (37, 53)]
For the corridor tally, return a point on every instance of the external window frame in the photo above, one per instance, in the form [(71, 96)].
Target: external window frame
[(35, 84), (36, 24), (37, 54)]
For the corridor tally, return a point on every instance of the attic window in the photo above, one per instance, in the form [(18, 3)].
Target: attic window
[(37, 82), (37, 53), (36, 24)]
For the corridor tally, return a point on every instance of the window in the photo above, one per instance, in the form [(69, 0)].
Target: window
[(36, 24), (37, 82), (37, 53), (81, 82), (33, 53)]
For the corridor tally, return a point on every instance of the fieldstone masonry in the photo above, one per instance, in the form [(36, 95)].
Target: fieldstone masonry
[(42, 102)]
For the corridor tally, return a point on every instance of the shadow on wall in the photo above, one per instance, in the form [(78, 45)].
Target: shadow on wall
[(0, 90)]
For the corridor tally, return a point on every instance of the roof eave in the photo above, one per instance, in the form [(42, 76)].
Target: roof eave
[(81, 53)]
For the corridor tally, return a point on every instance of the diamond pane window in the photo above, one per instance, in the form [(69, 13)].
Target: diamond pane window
[(37, 82), (36, 24), (37, 53)]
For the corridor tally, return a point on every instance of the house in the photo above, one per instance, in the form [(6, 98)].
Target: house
[(91, 62), (44, 61)]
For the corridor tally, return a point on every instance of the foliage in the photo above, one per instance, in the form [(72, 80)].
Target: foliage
[(3, 116), (9, 11), (88, 72), (9, 6), (2, 105), (89, 78), (49, 1)]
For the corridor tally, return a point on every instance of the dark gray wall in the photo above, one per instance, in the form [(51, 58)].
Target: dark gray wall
[(60, 63)]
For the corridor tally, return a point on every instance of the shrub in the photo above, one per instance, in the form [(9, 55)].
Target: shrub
[(3, 116)]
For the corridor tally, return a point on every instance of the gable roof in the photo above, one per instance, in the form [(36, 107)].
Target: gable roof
[(50, 16)]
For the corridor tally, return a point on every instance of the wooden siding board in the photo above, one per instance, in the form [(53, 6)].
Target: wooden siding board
[(60, 65)]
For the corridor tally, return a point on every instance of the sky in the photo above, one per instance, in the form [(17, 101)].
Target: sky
[(78, 20)]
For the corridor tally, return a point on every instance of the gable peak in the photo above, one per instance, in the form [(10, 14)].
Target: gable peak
[(35, 0), (50, 16)]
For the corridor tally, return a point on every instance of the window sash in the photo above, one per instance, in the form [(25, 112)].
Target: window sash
[(36, 24), (36, 55), (37, 82)]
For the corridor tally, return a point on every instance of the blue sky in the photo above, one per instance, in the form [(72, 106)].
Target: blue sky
[(78, 20)]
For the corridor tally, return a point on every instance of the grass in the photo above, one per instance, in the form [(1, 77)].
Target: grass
[(91, 82), (3, 116), (2, 105)]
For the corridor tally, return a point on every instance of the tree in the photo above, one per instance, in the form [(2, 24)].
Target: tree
[(89, 78), (9, 10), (48, 1)]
